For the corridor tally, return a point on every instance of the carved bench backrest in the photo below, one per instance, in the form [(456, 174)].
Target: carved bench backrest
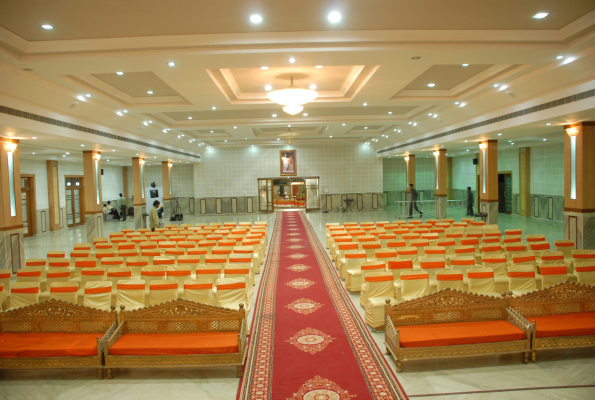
[(563, 298)]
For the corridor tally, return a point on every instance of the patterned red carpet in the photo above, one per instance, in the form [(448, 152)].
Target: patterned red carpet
[(307, 340)]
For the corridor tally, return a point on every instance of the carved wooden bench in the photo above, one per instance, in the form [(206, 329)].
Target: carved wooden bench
[(562, 315), (54, 334), (179, 333), (452, 323)]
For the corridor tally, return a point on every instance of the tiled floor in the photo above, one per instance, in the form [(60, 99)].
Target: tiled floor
[(568, 374)]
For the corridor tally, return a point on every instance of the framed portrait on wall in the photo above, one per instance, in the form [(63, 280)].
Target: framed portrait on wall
[(288, 162)]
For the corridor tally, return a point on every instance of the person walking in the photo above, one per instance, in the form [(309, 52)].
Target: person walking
[(154, 216), (413, 203), (123, 207), (470, 201)]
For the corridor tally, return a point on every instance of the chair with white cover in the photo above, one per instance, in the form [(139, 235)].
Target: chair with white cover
[(40, 263), (136, 264), (534, 238), (585, 273), (65, 291), (414, 284), (481, 281), (5, 275), (386, 237), (552, 257), (328, 232), (81, 263), (514, 248), (164, 261), (82, 246), (455, 235), (396, 266), (55, 254), (355, 277), (566, 247), (408, 253), (521, 279), (76, 254), (23, 294), (340, 248), (353, 260), (56, 275), (251, 253), (449, 279), (90, 275), (513, 232), (148, 274), (436, 252), (115, 274), (474, 233), (420, 245), (98, 294), (472, 242), (179, 273), (231, 292), (384, 254), (208, 271), (200, 291), (431, 265), (3, 295), (580, 257), (552, 274), (491, 249), (216, 259), (32, 274), (240, 271), (527, 258), (498, 264), (161, 291), (379, 286), (469, 251), (409, 237), (131, 294), (370, 249), (538, 248), (506, 239)]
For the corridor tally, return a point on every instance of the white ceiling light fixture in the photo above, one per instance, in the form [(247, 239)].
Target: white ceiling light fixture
[(149, 92), (456, 103), (503, 87), (119, 113), (334, 17), (255, 19), (568, 60), (171, 64), (81, 98), (289, 137), (390, 112), (549, 123), (544, 140), (213, 108), (268, 88), (292, 98), (499, 134), (292, 60), (47, 27), (235, 127), (189, 117), (88, 95), (465, 65), (125, 111), (496, 85), (431, 84), (34, 137), (462, 104), (343, 124), (264, 67), (365, 104), (559, 57), (313, 86), (274, 115), (319, 66), (119, 73), (541, 15), (82, 145)]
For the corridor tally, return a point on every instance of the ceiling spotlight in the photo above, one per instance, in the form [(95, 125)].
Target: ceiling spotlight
[(435, 115), (511, 144), (544, 140), (88, 95), (343, 124), (540, 15), (466, 141), (213, 108), (119, 73), (365, 127), (496, 85), (312, 86), (189, 117), (430, 114), (549, 123), (164, 131), (292, 60), (47, 27), (63, 155), (467, 150), (225, 140), (462, 104), (465, 65), (235, 127), (503, 87), (334, 17), (456, 103), (81, 98), (274, 115), (394, 130), (125, 111), (409, 123), (150, 122), (171, 64), (278, 139), (67, 153), (119, 113), (568, 60), (499, 134), (255, 19), (107, 160), (211, 132), (264, 67), (149, 92), (34, 137), (305, 114), (365, 104), (145, 123), (415, 124), (431, 84), (82, 145), (319, 66), (268, 87), (399, 131), (331, 136), (559, 57), (390, 112), (32, 153)]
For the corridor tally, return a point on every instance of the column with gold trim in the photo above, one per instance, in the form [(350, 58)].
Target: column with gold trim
[(12, 252), (166, 168), (488, 180), (93, 197), (440, 188)]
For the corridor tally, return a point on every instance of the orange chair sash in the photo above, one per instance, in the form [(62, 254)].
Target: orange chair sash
[(491, 239), (469, 242), (519, 274), (522, 259), (168, 286), (400, 264), (541, 246), (463, 251), (27, 274), (175, 252), (25, 290), (35, 263), (589, 268), (379, 278), (449, 277), (492, 260), (462, 262), (99, 290), (131, 287), (197, 252), (215, 261), (153, 273), (554, 271), (529, 240), (420, 244), (583, 256), (59, 264), (189, 261), (387, 237), (124, 247), (371, 246), (237, 271), (454, 235), (71, 289), (435, 251), (207, 271), (79, 254), (395, 244), (98, 272), (248, 251), (179, 273), (224, 251), (231, 286), (447, 243), (353, 256), (386, 254), (148, 247), (164, 262), (414, 277), (123, 274), (406, 252), (366, 239), (52, 275), (432, 265), (493, 234), (548, 258), (480, 275), (198, 286), (60, 255), (240, 260), (564, 244), (515, 248), (137, 263), (371, 267), (491, 248), (104, 255), (4, 276), (114, 262), (513, 240)]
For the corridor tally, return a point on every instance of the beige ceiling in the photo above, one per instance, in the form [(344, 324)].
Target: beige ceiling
[(75, 19), (137, 84), (445, 77)]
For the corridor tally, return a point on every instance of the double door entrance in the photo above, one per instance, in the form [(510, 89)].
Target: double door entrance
[(75, 208), (277, 194)]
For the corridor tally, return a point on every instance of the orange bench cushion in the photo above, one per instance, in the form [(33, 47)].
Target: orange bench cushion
[(579, 324), (458, 333), (14, 345), (174, 344)]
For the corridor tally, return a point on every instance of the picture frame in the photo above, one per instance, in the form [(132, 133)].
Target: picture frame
[(288, 162)]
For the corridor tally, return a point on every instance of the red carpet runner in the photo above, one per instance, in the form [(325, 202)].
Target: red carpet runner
[(307, 340)]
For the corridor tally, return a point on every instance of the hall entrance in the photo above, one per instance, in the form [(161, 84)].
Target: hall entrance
[(75, 204), (28, 205), (505, 193), (284, 193)]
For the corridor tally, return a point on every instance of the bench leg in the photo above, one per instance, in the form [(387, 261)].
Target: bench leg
[(109, 373), (533, 356), (399, 366), (100, 373), (387, 351), (240, 371), (526, 357)]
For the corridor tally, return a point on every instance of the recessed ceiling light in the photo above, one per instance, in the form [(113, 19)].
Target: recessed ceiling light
[(544, 140), (467, 150), (394, 130), (32, 153), (319, 66), (46, 26), (559, 57), (264, 67), (568, 60), (171, 64), (503, 87), (511, 144), (510, 141), (213, 108), (430, 114), (88, 95), (119, 113), (312, 86), (34, 137), (415, 124), (164, 131), (541, 15), (119, 73), (211, 132), (399, 131), (305, 114), (431, 84), (466, 141), (390, 112), (365, 127), (255, 19), (462, 104), (456, 102), (252, 145), (149, 91), (365, 104), (225, 140), (292, 60), (343, 124), (107, 160), (63, 155), (82, 145), (435, 115), (81, 98), (137, 154), (274, 115), (268, 87), (465, 65), (331, 136), (499, 134), (150, 122), (67, 153), (278, 139), (154, 157), (334, 17), (246, 138), (189, 117), (235, 127)]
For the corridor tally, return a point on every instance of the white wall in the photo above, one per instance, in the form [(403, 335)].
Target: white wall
[(38, 168), (394, 174), (343, 168), (424, 172), (547, 170), (508, 160), (463, 172), (112, 182)]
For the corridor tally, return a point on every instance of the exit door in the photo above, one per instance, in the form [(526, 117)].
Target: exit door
[(75, 210)]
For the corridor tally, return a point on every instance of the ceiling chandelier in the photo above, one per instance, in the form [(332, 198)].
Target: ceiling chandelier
[(289, 136), (292, 98)]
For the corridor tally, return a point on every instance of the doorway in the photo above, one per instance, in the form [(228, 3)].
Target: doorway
[(75, 205), (505, 193), (28, 205), (278, 194)]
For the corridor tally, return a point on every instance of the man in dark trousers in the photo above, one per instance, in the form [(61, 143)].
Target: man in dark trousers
[(413, 202), (470, 201)]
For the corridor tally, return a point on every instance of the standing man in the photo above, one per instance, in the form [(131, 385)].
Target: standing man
[(154, 216), (413, 203), (123, 207), (470, 201)]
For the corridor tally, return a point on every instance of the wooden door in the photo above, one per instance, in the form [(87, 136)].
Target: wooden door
[(27, 207), (270, 202), (75, 204)]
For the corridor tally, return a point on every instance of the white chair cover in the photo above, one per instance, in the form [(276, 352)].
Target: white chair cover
[(449, 278), (65, 291), (521, 279), (552, 274), (23, 294), (199, 290), (115, 274), (414, 284), (481, 281), (161, 291), (179, 274), (98, 295), (131, 294), (152, 273)]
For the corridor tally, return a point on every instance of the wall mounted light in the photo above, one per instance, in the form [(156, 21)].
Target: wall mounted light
[(96, 156), (169, 164), (10, 146), (141, 161), (483, 147), (572, 132), (437, 174)]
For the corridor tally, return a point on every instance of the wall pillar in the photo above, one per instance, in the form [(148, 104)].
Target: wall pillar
[(166, 167), (440, 189), (125, 191), (93, 200), (449, 181), (138, 190), (579, 184), (488, 180), (12, 250), (525, 182), (54, 195), (410, 174)]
